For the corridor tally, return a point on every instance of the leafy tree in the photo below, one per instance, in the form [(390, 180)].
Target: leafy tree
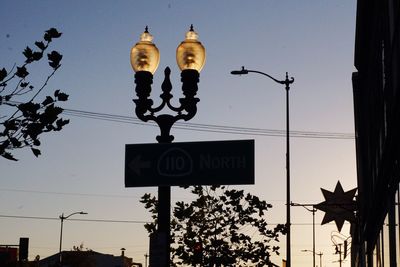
[(220, 227), (22, 118), (80, 247)]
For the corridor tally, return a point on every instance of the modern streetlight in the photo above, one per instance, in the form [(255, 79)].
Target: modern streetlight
[(62, 218), (287, 83), (190, 57), (314, 253), (313, 210)]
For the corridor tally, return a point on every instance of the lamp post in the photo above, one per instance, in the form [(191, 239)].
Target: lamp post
[(287, 83), (62, 218), (190, 57), (312, 210), (318, 254)]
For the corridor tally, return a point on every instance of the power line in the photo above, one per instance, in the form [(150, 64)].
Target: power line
[(109, 221), (206, 127), (92, 194), (66, 193), (209, 127), (80, 220)]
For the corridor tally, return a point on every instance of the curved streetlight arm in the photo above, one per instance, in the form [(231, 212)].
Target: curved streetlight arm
[(243, 71), (308, 250), (62, 217), (306, 206)]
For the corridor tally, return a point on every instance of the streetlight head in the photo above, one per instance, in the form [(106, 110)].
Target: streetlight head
[(240, 72), (82, 212), (145, 55), (191, 54)]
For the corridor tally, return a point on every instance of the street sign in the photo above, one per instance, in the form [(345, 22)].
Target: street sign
[(190, 163)]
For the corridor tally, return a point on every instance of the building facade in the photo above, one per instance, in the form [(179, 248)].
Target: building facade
[(376, 87)]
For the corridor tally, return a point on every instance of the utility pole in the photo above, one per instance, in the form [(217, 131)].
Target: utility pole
[(320, 258), (145, 259), (339, 251)]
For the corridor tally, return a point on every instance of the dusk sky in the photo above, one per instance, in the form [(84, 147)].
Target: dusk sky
[(82, 167)]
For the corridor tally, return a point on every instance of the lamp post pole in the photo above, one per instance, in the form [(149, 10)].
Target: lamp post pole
[(190, 56), (62, 218), (320, 258), (287, 83)]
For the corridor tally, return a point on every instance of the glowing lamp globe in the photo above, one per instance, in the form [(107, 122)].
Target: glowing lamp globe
[(191, 54), (145, 55)]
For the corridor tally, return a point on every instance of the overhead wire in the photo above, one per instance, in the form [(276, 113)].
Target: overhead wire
[(80, 220), (67, 193), (108, 221), (185, 126), (209, 127), (201, 127)]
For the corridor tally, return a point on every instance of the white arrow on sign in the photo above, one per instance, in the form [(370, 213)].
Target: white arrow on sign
[(137, 164)]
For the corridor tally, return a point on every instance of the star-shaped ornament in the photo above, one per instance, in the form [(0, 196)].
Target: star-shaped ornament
[(339, 206)]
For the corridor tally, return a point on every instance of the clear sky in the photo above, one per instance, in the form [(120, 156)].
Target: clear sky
[(82, 167)]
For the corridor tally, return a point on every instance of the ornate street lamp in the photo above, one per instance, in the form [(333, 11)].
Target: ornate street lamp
[(287, 83), (190, 57), (62, 218)]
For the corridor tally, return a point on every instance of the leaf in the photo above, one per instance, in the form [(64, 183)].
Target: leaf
[(3, 74), (54, 59), (10, 125), (4, 145), (8, 156), (47, 37), (40, 45), (62, 97), (50, 34), (36, 56), (47, 101), (36, 151), (28, 54), (24, 84), (50, 127), (61, 123), (53, 33), (15, 142), (36, 142), (22, 72)]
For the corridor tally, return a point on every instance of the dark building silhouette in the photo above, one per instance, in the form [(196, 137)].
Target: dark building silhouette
[(88, 258), (376, 86)]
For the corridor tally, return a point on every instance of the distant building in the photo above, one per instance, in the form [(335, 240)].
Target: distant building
[(87, 259), (376, 86), (8, 256)]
